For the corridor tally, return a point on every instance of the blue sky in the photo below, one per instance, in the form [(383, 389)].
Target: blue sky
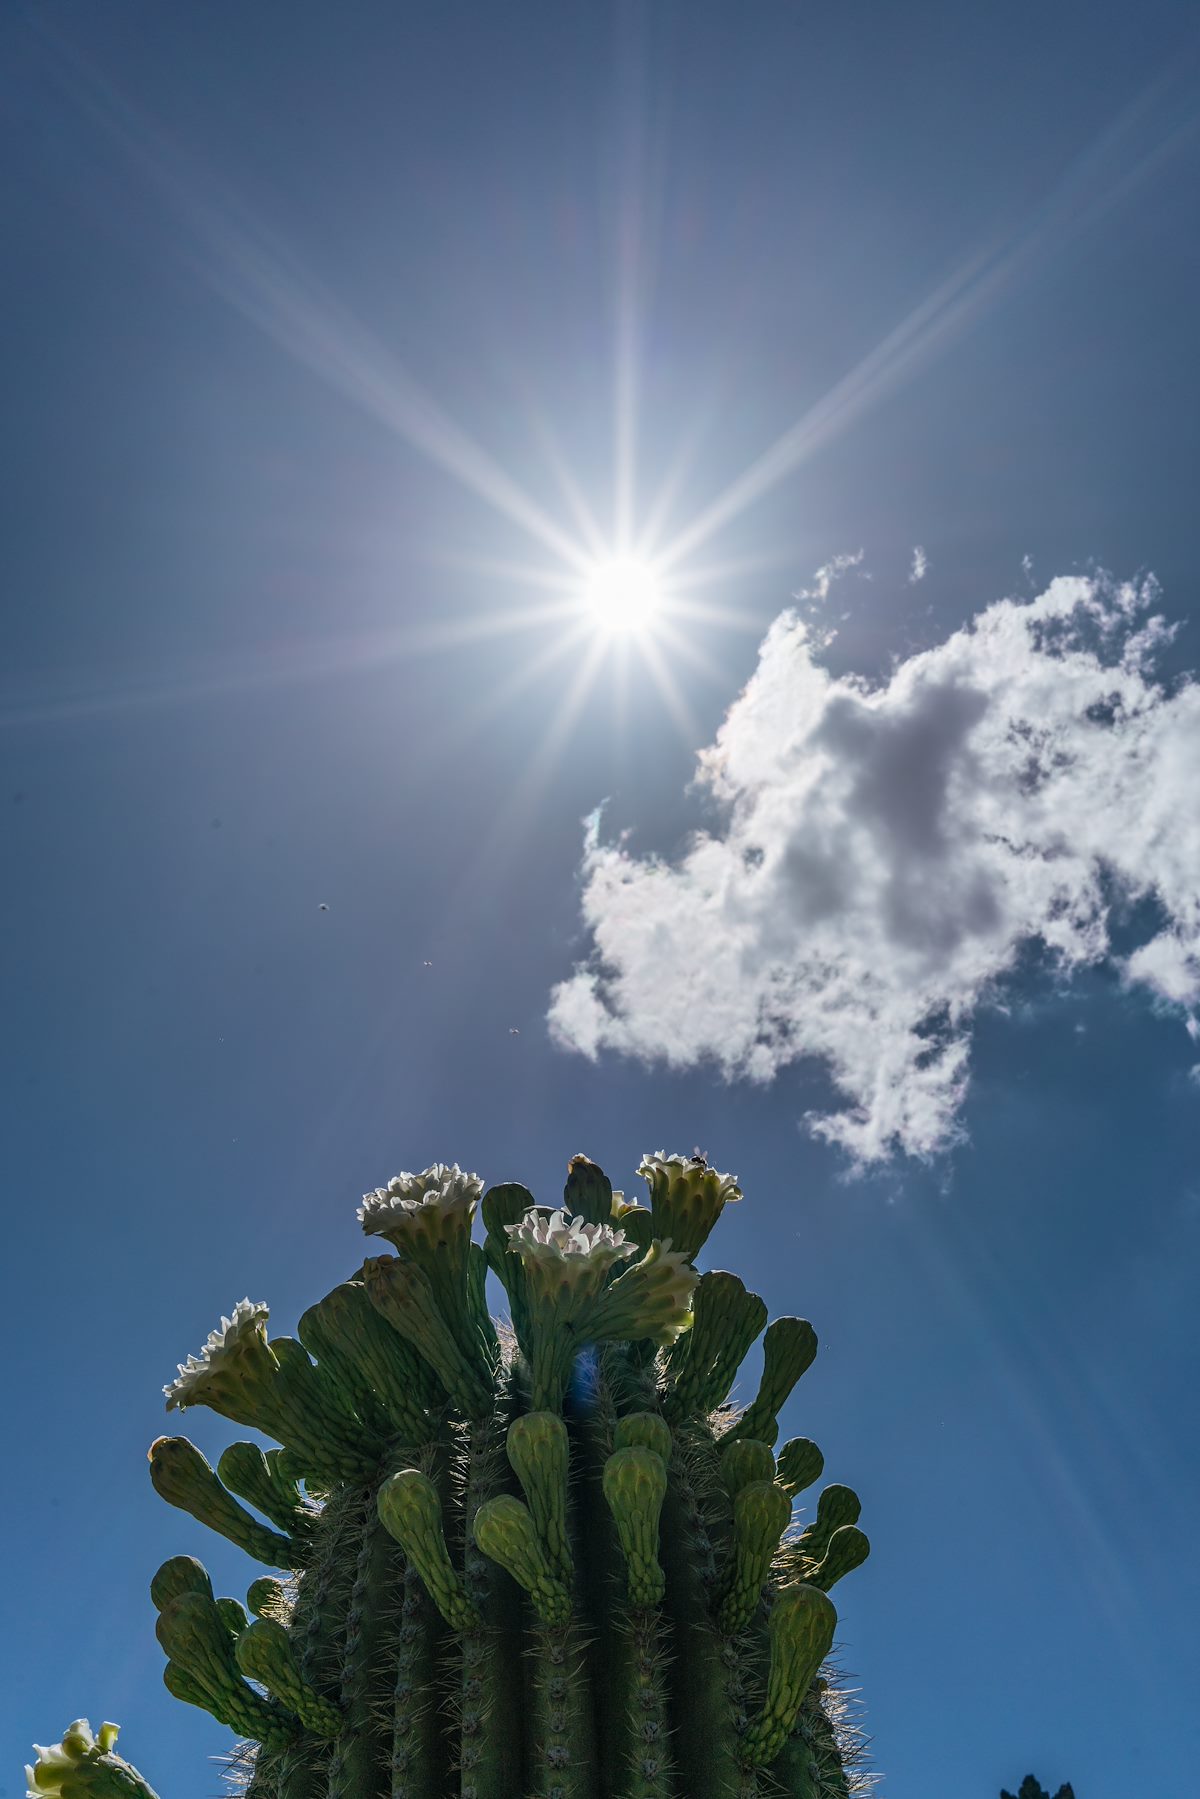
[(324, 328)]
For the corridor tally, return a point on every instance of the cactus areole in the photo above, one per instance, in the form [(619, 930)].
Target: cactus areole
[(545, 1561)]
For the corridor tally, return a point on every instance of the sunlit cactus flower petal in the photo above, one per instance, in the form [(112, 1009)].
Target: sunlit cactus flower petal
[(412, 1201), (579, 1255), (687, 1197), (237, 1348), (83, 1766), (651, 1300), (567, 1264)]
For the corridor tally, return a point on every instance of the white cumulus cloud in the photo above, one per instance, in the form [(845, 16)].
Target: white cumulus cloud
[(920, 565), (885, 850)]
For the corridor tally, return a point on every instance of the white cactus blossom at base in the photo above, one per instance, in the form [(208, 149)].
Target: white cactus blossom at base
[(57, 1760), (248, 1321), (440, 1187)]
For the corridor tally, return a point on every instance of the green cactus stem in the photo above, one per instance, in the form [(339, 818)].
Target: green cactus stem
[(544, 1568), (491, 1688)]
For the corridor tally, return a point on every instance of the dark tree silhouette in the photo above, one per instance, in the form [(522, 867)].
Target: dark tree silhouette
[(1030, 1789)]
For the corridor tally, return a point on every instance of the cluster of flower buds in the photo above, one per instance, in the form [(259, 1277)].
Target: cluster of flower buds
[(542, 1556)]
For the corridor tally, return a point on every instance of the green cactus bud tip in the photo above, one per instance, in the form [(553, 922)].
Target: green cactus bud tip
[(644, 1430), (744, 1462), (588, 1193), (800, 1463), (181, 1574)]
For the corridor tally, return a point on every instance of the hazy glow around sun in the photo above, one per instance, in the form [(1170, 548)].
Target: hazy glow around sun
[(622, 595)]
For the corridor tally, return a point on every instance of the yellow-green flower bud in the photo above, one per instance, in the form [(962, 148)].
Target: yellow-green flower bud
[(848, 1549), (644, 1430), (181, 1574), (725, 1321), (635, 1485), (588, 1193), (837, 1507), (264, 1653), (540, 1452), (268, 1598), (761, 1514), (788, 1349), (800, 1463), (182, 1476), (801, 1631), (411, 1511), (744, 1462), (403, 1295), (504, 1530)]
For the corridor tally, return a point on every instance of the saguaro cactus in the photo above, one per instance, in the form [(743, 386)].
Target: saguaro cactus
[(545, 1561)]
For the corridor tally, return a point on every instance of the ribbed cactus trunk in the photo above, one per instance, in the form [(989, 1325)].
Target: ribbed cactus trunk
[(545, 1563)]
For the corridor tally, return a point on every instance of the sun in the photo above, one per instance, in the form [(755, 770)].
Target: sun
[(623, 594)]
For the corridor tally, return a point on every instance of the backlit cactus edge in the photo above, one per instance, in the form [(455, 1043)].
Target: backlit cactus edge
[(547, 1561)]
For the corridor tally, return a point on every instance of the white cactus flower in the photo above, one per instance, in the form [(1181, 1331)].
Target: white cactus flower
[(437, 1188), (687, 1197), (249, 1320), (658, 1166), (562, 1240), (55, 1761)]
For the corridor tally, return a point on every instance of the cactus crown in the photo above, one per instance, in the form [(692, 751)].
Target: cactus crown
[(546, 1561)]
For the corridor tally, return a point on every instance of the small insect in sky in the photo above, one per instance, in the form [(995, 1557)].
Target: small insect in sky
[(513, 1031), (427, 965), (322, 907)]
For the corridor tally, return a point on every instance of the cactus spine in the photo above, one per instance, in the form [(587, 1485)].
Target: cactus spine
[(545, 1562)]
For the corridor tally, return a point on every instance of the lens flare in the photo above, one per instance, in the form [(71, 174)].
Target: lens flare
[(623, 595)]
